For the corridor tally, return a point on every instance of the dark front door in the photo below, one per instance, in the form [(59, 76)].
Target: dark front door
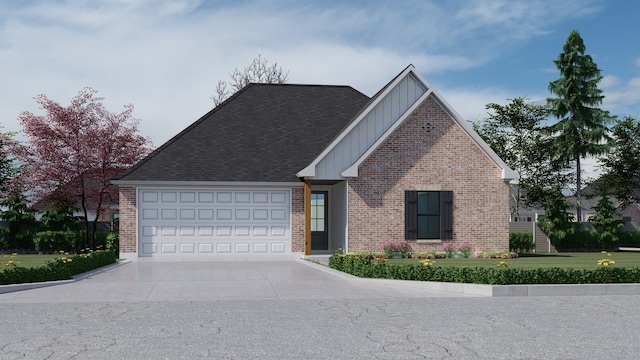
[(319, 220)]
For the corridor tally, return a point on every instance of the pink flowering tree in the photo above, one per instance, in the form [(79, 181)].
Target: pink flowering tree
[(72, 152)]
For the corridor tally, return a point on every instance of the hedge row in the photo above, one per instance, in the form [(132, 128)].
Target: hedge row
[(62, 268), (72, 241), (588, 240), (363, 267)]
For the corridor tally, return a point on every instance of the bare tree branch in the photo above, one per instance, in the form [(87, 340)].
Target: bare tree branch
[(259, 71)]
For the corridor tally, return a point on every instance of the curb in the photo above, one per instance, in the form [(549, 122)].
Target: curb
[(497, 290)]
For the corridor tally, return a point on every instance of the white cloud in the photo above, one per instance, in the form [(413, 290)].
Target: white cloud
[(608, 81), (165, 56), (623, 98), (470, 102)]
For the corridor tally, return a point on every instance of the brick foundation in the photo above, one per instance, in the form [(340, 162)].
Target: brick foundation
[(428, 152)]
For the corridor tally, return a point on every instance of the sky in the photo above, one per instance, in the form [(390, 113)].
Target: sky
[(166, 56)]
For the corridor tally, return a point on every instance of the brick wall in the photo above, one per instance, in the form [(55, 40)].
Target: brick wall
[(297, 219), (128, 226), (428, 152)]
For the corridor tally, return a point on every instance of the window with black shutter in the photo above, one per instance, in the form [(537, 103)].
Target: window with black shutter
[(428, 215)]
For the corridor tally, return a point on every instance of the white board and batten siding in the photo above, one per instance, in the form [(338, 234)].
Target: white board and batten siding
[(182, 222), (370, 128)]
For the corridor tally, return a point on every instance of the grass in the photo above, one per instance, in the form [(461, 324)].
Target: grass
[(28, 260), (531, 261)]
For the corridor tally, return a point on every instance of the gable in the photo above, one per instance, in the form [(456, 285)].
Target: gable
[(377, 122), (371, 126), (264, 133)]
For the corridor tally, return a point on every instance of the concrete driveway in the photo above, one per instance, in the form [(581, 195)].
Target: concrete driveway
[(295, 309), (224, 279)]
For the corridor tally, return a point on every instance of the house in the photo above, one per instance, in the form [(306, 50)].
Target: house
[(302, 169)]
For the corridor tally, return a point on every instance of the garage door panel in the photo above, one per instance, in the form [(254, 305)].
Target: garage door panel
[(243, 214), (278, 247), (224, 230), (169, 196), (149, 248), (169, 214), (205, 248), (149, 214), (187, 248), (187, 197), (260, 248), (242, 247), (224, 248), (169, 248), (149, 196), (209, 221)]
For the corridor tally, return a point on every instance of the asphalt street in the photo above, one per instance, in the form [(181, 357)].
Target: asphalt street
[(317, 326)]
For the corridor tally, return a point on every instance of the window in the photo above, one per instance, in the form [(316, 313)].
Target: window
[(428, 215)]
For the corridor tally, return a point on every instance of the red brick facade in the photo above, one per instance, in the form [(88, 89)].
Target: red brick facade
[(128, 221), (297, 220), (428, 152)]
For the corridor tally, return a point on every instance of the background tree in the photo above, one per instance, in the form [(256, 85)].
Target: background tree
[(604, 221), (558, 222), (259, 71), (59, 214), (18, 234), (581, 129), (73, 151), (515, 132), (8, 167), (15, 211), (621, 177)]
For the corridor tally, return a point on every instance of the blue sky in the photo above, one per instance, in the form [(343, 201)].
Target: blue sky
[(166, 56)]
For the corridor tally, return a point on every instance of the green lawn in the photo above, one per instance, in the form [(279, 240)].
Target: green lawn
[(527, 261), (28, 260)]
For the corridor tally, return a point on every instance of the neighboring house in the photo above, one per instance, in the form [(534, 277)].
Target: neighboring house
[(283, 169), (527, 218)]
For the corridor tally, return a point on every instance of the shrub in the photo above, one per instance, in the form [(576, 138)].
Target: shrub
[(71, 241), (465, 250), (364, 267), (449, 250), (55, 241), (397, 250), (100, 238), (113, 242), (521, 242), (630, 239), (585, 240), (62, 268)]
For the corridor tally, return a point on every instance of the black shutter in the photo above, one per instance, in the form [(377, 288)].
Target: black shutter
[(410, 215), (446, 215)]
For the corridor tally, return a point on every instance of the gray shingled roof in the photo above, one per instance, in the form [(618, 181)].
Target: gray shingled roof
[(265, 133)]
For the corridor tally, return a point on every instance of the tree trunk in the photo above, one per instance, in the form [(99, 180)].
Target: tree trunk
[(83, 198), (578, 190), (95, 224)]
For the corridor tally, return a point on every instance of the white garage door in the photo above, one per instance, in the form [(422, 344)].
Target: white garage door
[(213, 221)]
